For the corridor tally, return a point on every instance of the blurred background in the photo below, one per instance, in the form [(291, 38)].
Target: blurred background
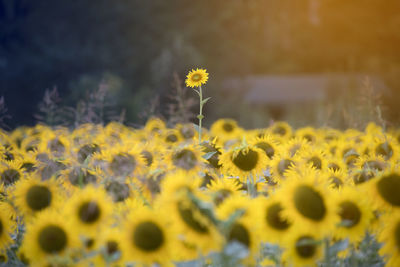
[(311, 62)]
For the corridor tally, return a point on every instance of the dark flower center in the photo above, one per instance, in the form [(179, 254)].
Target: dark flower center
[(389, 188), (52, 239), (148, 157), (309, 203), (267, 148), (305, 247), (184, 159), (228, 127), (119, 191), (240, 234), (336, 182), (148, 237), (188, 217), (56, 146), (280, 130), (246, 161), (78, 176), (196, 77), (376, 165), (89, 212), (221, 195), (123, 164), (315, 162), (333, 166), (10, 176), (274, 218), (384, 150), (111, 247), (86, 151), (349, 213), (38, 197), (171, 138), (363, 177)]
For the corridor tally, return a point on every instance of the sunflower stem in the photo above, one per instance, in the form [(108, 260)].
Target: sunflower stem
[(200, 116)]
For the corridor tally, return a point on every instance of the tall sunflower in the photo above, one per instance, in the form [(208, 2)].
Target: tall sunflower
[(196, 78)]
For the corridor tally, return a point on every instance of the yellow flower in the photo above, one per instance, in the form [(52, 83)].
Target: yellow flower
[(196, 78)]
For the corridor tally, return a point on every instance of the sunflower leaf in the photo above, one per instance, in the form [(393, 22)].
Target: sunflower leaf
[(196, 127), (339, 246), (208, 155), (197, 92), (205, 100)]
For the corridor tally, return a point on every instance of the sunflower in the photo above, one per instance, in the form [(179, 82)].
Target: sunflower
[(212, 147), (338, 179), (245, 162), (33, 195), (48, 235), (89, 209), (57, 143), (267, 143), (309, 134), (390, 238), (195, 229), (10, 172), (147, 238), (245, 229), (306, 200), (273, 226), (226, 129), (385, 188), (75, 177), (302, 248), (187, 159), (281, 130), (315, 158), (109, 246), (282, 163), (196, 78), (355, 213), (171, 137), (223, 188), (6, 227)]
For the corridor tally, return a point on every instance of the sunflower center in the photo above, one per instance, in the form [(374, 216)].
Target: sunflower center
[(56, 146), (196, 77), (38, 197), (111, 247), (363, 177), (228, 127), (185, 159), (3, 258), (397, 235), (336, 182), (350, 214), (309, 203), (148, 157), (315, 162), (10, 176), (189, 218), (384, 150), (187, 132), (389, 188), (221, 195), (246, 161), (89, 212), (148, 236), (310, 138), (123, 164), (280, 130), (305, 247), (284, 165), (78, 176), (52, 239), (119, 191), (240, 234), (171, 138), (274, 219), (267, 148), (86, 151)]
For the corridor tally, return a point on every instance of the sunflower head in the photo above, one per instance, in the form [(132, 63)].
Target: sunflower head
[(196, 78)]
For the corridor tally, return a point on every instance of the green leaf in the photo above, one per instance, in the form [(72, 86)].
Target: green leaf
[(197, 92), (200, 117), (205, 100), (208, 155), (196, 127)]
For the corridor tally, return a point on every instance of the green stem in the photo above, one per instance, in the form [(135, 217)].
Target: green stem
[(201, 112)]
